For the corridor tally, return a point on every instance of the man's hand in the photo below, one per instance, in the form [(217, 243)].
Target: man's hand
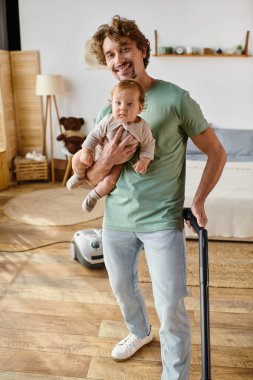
[(141, 166), (198, 211), (118, 151)]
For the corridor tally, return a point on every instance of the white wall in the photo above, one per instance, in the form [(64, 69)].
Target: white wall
[(58, 29)]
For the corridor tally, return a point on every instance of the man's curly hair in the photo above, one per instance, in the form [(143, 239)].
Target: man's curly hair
[(120, 27)]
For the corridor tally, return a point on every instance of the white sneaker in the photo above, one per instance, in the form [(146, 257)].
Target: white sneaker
[(74, 182), (128, 346)]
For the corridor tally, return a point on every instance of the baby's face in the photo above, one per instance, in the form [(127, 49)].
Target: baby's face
[(126, 105)]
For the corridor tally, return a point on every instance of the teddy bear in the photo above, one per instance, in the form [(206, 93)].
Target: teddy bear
[(72, 136)]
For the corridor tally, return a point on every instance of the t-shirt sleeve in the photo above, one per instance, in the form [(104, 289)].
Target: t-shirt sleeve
[(191, 116)]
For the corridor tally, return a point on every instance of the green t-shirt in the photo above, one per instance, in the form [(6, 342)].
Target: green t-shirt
[(154, 201)]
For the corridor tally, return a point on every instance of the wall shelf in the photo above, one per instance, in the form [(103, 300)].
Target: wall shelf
[(215, 55), (204, 55)]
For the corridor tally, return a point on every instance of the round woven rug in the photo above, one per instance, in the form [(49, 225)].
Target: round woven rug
[(52, 207)]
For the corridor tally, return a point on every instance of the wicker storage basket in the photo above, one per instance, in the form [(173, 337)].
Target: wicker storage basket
[(29, 170)]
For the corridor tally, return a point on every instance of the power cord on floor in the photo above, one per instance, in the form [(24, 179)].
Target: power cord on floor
[(39, 246)]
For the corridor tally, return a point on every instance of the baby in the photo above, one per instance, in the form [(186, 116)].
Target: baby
[(127, 102)]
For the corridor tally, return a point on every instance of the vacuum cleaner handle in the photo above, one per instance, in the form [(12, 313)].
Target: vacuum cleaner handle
[(204, 293), (188, 215)]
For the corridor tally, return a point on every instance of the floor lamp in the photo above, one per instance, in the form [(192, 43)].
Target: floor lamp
[(50, 86)]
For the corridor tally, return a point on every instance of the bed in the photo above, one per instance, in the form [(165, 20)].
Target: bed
[(229, 206)]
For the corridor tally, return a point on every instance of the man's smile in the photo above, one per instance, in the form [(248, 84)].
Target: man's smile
[(123, 68)]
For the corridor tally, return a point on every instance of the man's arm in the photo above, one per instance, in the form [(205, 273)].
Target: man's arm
[(112, 153), (209, 144)]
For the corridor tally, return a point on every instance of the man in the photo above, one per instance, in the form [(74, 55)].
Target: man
[(146, 210)]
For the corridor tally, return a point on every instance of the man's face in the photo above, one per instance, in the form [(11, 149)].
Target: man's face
[(123, 58)]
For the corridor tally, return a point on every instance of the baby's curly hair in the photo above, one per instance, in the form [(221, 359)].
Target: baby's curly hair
[(120, 27), (128, 84)]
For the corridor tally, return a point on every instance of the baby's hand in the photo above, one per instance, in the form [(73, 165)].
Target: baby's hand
[(86, 157), (141, 166)]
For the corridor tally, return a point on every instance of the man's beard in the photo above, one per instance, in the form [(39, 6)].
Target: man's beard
[(122, 77), (132, 74)]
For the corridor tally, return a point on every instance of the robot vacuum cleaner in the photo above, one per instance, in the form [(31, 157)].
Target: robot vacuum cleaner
[(86, 247)]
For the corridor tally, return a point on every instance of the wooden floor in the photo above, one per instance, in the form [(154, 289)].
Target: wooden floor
[(59, 320)]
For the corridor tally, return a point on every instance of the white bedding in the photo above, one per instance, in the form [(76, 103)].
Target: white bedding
[(229, 207)]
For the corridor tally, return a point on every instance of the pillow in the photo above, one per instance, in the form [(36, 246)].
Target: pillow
[(238, 144)]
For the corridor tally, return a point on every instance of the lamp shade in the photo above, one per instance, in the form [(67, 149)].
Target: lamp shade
[(49, 85)]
